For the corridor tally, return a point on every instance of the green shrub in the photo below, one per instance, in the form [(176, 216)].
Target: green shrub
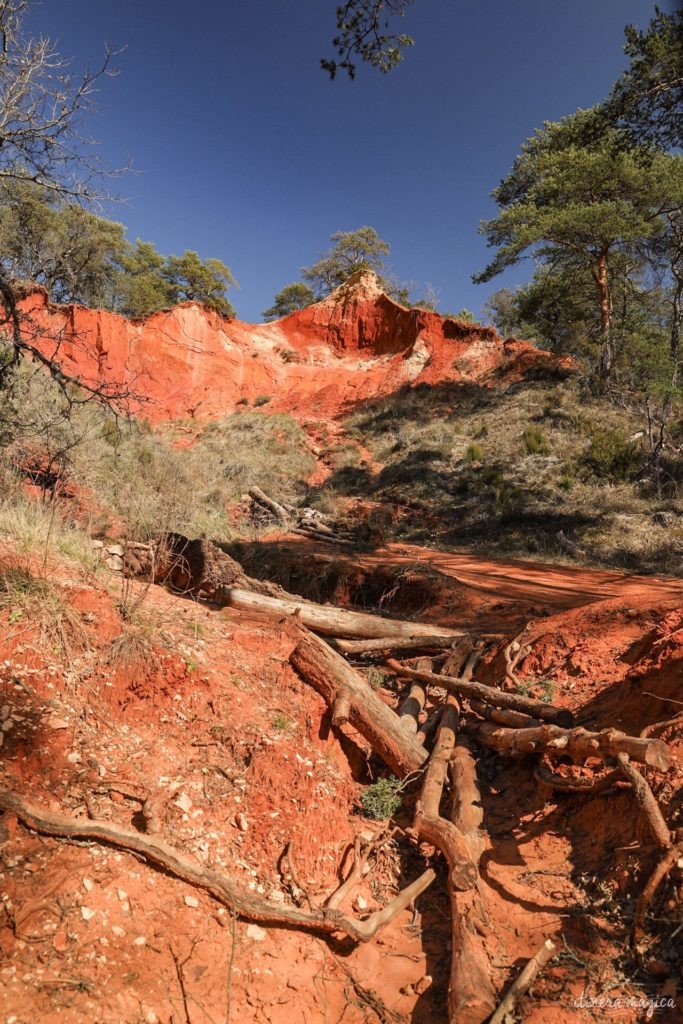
[(381, 800), (535, 440), (547, 688), (474, 453), (376, 677), (261, 400), (610, 454)]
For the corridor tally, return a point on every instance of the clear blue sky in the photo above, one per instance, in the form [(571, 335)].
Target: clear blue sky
[(247, 152)]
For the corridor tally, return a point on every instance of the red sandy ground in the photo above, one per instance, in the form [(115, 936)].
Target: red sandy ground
[(89, 934)]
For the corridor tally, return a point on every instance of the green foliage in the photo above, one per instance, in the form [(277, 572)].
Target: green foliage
[(535, 441), (352, 251), (361, 34), (547, 688), (585, 207), (63, 247), (141, 285), (289, 299), (648, 98), (376, 677), (382, 799), (194, 280), (610, 454)]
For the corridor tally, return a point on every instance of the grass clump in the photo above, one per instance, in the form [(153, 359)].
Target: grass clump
[(474, 453), (135, 646), (535, 441), (610, 454), (261, 400), (376, 677), (381, 800), (37, 602)]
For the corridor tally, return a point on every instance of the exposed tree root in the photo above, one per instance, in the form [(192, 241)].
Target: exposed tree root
[(647, 803), (673, 855), (523, 982), (323, 920)]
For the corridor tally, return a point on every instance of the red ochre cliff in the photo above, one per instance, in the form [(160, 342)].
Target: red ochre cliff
[(354, 345)]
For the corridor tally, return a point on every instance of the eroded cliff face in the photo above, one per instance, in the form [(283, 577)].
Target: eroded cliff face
[(353, 345)]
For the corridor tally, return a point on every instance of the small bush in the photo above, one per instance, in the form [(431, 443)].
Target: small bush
[(611, 455), (381, 800), (376, 677), (261, 400), (535, 440), (243, 401), (547, 688), (474, 453)]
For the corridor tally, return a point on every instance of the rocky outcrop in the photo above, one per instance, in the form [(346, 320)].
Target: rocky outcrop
[(355, 344)]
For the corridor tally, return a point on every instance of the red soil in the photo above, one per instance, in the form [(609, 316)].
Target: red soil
[(215, 710), (356, 344)]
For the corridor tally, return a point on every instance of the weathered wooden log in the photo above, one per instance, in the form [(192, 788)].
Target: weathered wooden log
[(578, 744), (465, 1004), (471, 995), (333, 678), (396, 643), (409, 712), (278, 510), (647, 802), (503, 716), (308, 531), (326, 618), (489, 694), (523, 982), (428, 823)]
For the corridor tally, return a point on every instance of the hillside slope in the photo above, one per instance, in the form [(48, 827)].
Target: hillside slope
[(355, 344)]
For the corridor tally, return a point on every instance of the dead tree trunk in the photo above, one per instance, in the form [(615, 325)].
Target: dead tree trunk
[(409, 712), (396, 643), (471, 994), (333, 678), (326, 618), (468, 1001), (578, 744)]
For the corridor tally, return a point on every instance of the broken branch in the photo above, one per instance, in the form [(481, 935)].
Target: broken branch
[(489, 694)]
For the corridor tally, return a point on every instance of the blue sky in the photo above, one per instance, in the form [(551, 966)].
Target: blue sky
[(247, 152)]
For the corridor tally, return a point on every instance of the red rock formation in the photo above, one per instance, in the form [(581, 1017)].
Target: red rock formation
[(356, 344)]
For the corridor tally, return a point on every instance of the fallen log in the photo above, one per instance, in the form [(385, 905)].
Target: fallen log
[(261, 498), (523, 982), (333, 678), (326, 618), (429, 825), (503, 716), (409, 712), (396, 643), (489, 694), (471, 994), (469, 967), (238, 899), (578, 744)]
